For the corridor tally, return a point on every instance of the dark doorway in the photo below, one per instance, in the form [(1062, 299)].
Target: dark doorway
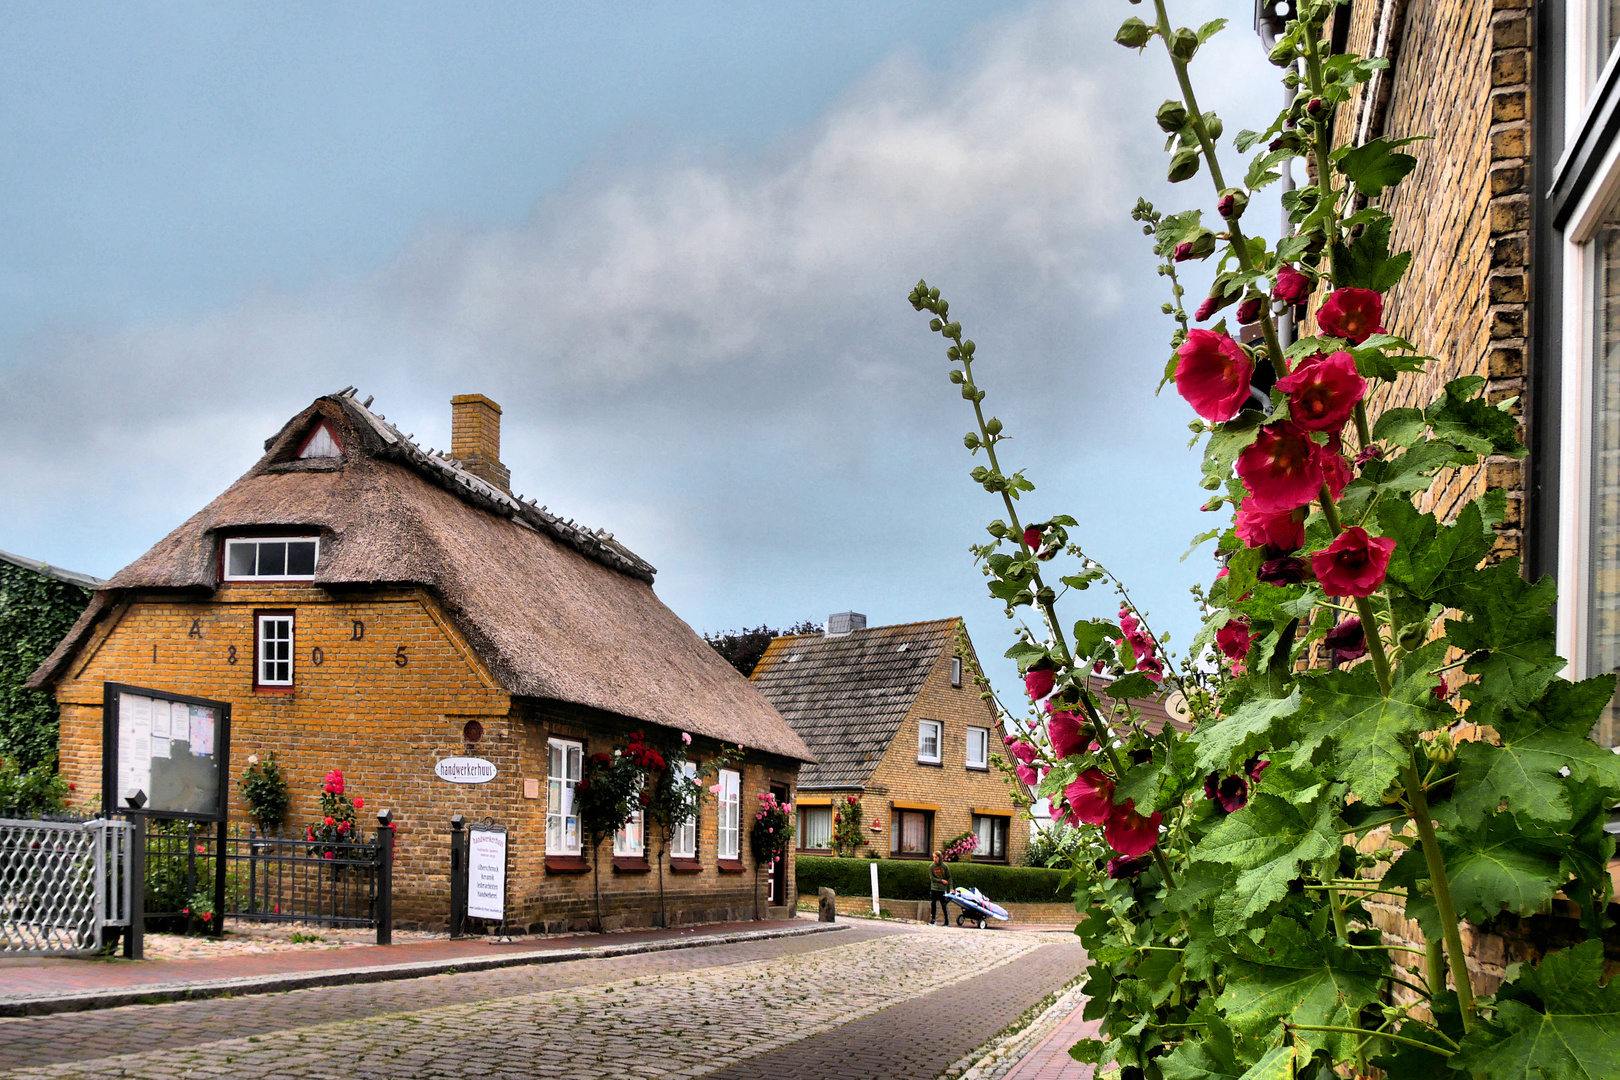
[(777, 885)]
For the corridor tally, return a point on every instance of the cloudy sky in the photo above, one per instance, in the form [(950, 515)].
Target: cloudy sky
[(674, 241)]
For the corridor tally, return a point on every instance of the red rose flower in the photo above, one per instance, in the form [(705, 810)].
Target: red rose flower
[(1213, 374), (1128, 832), (1352, 314), (1354, 564), (1292, 286), (1090, 798), (1234, 639), (1283, 468), (1280, 529), (1037, 684), (1068, 737), (1322, 396)]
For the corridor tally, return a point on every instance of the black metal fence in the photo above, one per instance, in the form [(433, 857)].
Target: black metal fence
[(266, 878)]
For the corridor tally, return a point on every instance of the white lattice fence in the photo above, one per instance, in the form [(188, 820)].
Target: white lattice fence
[(61, 884)]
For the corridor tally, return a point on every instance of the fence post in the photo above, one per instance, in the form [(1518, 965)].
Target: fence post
[(135, 936), (218, 929), (385, 877), (458, 876)]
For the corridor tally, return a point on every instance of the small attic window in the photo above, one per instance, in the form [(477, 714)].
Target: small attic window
[(320, 443), (271, 558)]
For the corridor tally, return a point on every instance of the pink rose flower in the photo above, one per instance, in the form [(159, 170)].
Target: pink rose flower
[(686, 739), (1354, 564), (1213, 375), (1128, 832), (714, 789), (1352, 314), (1283, 469)]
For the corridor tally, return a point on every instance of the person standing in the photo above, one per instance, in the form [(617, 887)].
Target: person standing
[(939, 883)]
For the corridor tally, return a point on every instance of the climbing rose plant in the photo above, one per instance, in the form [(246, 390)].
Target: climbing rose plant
[(1377, 704)]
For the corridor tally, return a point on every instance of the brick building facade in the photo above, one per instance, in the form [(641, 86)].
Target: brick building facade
[(441, 618), (894, 716)]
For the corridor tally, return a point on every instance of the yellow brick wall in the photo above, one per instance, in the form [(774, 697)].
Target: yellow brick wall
[(385, 725)]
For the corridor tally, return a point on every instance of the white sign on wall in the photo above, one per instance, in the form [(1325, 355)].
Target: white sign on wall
[(465, 770), (486, 873)]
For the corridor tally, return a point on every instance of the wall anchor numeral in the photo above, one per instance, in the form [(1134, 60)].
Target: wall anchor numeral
[(400, 659), (359, 630), (230, 655), (196, 629)]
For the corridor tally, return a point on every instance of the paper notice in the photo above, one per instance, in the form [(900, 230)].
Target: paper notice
[(202, 731), (160, 747), (134, 745), (160, 721)]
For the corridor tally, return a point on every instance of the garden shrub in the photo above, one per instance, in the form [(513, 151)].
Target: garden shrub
[(907, 879)]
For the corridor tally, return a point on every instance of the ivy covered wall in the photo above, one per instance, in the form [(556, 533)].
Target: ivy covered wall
[(36, 611)]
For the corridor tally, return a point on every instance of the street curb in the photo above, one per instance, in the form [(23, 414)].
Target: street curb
[(161, 993)]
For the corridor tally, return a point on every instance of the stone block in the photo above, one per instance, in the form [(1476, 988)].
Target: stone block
[(828, 905)]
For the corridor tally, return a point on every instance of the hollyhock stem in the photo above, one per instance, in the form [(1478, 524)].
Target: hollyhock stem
[(1239, 245), (1363, 434), (1099, 731), (1324, 174), (1364, 608), (1340, 929), (1441, 884), (1435, 967)]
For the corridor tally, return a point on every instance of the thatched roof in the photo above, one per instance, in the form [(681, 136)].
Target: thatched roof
[(555, 610), (847, 694)]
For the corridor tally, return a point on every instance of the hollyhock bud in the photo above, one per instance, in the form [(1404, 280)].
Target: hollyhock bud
[(1038, 683), (1123, 866), (1172, 116), (1347, 640), (1354, 564), (1283, 468), (1368, 453), (1183, 166), (1090, 798), (1283, 530), (1032, 538), (1212, 374), (1286, 570), (1068, 737), (1232, 203), (1183, 252), (1234, 639), (1210, 306), (1008, 740), (1249, 311), (1200, 244), (1128, 832), (1352, 314), (1315, 109), (1292, 286), (1321, 397)]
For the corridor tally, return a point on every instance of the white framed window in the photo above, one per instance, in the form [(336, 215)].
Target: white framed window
[(956, 671), (730, 800), (271, 558), (978, 748), (991, 832), (683, 844), (815, 827), (273, 649), (629, 841), (928, 740), (563, 776)]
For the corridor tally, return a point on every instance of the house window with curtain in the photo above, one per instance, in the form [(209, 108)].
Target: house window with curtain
[(562, 819), (928, 741), (815, 827), (992, 835), (978, 748), (683, 842), (911, 832), (730, 800), (629, 842)]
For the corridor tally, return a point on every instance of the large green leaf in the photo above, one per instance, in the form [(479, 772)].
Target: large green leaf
[(1502, 870), (1231, 740), (1509, 629), (1266, 841), (1375, 165), (1429, 556), (1462, 417), (1368, 734), (1366, 262), (1557, 1021)]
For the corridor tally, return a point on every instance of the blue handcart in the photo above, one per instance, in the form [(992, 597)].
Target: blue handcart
[(976, 907)]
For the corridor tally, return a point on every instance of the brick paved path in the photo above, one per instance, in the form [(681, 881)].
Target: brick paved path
[(1050, 1059), (681, 1014)]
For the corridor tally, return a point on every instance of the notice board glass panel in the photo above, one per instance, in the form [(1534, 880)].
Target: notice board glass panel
[(173, 747)]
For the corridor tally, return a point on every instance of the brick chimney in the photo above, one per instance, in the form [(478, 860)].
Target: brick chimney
[(475, 438)]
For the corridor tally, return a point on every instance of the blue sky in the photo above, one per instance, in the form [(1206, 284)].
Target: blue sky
[(674, 242)]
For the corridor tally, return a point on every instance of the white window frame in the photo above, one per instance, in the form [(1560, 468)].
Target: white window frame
[(730, 800), (560, 795), (804, 828), (956, 671), (683, 844), (923, 727), (1000, 827), (983, 735), (630, 839), (235, 541), (263, 644)]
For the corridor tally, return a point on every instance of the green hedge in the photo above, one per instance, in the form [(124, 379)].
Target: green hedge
[(907, 879)]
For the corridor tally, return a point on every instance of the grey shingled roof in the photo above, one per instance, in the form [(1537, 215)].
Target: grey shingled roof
[(846, 695), (72, 577)]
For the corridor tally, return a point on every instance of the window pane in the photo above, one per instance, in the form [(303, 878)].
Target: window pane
[(239, 559), (1603, 606), (816, 826), (1605, 32), (913, 833), (301, 558), (273, 559)]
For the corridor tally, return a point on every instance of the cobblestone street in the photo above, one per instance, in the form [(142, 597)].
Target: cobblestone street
[(871, 1001)]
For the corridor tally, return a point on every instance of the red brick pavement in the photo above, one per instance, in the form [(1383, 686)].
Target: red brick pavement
[(1050, 1059)]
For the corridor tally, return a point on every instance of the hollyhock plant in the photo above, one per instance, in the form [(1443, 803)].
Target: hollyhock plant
[(1347, 640), (1249, 311), (1283, 469), (1283, 530), (1068, 737), (1090, 798), (1212, 374), (1038, 683), (1230, 793), (1292, 286), (1352, 314), (1254, 767), (1322, 396), (1354, 564), (1286, 570), (1128, 832), (1234, 639), (1126, 866)]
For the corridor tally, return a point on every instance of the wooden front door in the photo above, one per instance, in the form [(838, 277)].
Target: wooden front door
[(778, 868)]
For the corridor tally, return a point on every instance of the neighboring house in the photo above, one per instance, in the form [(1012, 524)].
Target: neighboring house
[(364, 604), (38, 603), (893, 716)]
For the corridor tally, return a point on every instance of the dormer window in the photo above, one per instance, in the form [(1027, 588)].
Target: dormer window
[(271, 558), (320, 443)]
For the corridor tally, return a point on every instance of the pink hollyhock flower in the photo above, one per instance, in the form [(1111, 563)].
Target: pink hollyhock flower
[(1280, 529), (1354, 564), (1090, 798), (1292, 286), (1284, 571), (1008, 740), (1037, 684), (1322, 396), (1213, 375), (1368, 453), (1027, 774), (1352, 314), (1124, 866), (1249, 311), (1068, 737), (1230, 793), (1283, 469), (1441, 691), (1127, 622), (1234, 639), (1336, 472), (1347, 640), (1024, 752), (1128, 832), (1152, 667), (359, 804), (1254, 767)]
